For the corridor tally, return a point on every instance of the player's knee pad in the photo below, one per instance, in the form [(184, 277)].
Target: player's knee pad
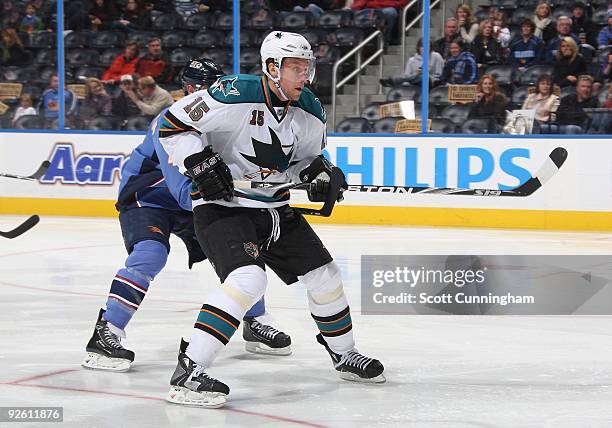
[(324, 284), (245, 285), (147, 259)]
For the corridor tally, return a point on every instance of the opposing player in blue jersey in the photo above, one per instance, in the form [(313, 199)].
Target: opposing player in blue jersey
[(154, 201)]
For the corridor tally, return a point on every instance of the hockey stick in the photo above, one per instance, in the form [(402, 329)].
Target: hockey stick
[(330, 200), (38, 174), (549, 168), (22, 228)]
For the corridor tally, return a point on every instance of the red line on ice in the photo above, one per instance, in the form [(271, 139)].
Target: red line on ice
[(145, 397), (40, 376)]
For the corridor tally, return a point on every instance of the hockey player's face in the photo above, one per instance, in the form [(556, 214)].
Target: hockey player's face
[(294, 74)]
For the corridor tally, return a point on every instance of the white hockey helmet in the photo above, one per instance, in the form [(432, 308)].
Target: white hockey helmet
[(281, 44)]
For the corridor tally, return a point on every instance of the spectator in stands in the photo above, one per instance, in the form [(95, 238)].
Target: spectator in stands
[(606, 66), (12, 52), (8, 10), (102, 14), (543, 101), (489, 103), (468, 27), (460, 67), (543, 20), (46, 11), (316, 9), (526, 49), (154, 63), (124, 63), (151, 99), (30, 22), (582, 25), (389, 8), (570, 116), (608, 103), (97, 102), (564, 29), (10, 15), (123, 107), (569, 64), (485, 47), (187, 8), (451, 34), (414, 69), (25, 108), (48, 106), (500, 29), (133, 17), (605, 35)]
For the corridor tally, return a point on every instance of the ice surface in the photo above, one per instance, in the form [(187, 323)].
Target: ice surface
[(442, 371)]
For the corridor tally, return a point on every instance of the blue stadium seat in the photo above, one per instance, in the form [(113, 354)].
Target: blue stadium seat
[(477, 126), (224, 22), (176, 39), (108, 56), (530, 76), (335, 19), (82, 56), (456, 113), (369, 18), (519, 95), (443, 126), (315, 36), (107, 39), (346, 37), (354, 125), (180, 56), (385, 125), (501, 73), (404, 92), (371, 111), (166, 22), (208, 39), (296, 21), (197, 21), (142, 37)]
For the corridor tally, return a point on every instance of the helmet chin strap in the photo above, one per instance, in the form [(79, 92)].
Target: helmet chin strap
[(276, 81)]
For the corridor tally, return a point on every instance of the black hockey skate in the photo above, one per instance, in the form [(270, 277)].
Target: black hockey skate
[(355, 367), (264, 339), (104, 350), (191, 386)]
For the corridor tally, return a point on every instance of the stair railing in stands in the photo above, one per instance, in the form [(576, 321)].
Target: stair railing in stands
[(415, 21), (359, 65)]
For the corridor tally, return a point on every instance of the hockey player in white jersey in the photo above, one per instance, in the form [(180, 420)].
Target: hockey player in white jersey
[(259, 128)]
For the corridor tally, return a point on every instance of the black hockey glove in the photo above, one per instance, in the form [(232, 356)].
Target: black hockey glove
[(210, 174), (318, 173)]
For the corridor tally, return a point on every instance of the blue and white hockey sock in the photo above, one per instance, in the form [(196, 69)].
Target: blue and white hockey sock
[(131, 283)]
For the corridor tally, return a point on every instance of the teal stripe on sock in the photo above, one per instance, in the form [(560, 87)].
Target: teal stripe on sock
[(218, 324)]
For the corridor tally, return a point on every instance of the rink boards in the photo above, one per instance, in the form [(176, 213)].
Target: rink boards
[(85, 169)]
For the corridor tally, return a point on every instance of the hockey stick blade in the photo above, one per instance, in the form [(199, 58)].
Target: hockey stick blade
[(38, 174), (22, 228), (549, 168)]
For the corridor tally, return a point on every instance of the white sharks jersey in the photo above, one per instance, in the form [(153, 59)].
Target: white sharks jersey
[(256, 140)]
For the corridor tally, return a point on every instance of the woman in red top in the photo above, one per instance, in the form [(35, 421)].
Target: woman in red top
[(125, 63)]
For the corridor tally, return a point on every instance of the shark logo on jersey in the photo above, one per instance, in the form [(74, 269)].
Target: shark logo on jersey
[(226, 87), (270, 157)]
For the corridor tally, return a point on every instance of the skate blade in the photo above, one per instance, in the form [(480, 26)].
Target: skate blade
[(354, 378), (96, 361), (260, 348), (186, 397)]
